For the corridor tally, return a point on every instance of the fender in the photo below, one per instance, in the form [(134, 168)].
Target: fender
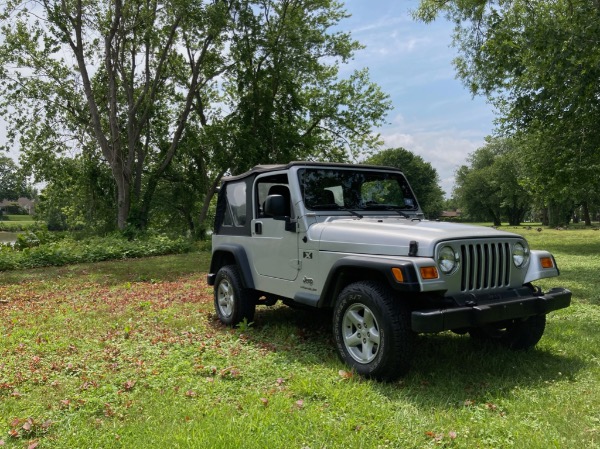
[(383, 266), (241, 259)]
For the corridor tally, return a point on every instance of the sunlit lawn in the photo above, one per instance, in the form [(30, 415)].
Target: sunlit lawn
[(16, 222), (129, 354)]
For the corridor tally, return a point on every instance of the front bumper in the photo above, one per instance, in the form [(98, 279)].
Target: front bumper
[(487, 311)]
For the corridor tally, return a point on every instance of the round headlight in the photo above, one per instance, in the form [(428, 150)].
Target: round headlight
[(447, 260), (520, 254)]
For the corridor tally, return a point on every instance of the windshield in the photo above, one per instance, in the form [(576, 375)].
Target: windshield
[(339, 189)]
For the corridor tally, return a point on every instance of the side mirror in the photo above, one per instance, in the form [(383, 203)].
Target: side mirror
[(275, 206)]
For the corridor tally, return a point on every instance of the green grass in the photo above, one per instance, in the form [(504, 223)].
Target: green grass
[(129, 354), (19, 218), (14, 223)]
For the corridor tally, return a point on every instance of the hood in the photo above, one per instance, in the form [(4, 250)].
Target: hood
[(392, 235)]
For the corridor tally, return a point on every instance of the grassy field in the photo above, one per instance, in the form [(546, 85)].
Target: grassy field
[(16, 222), (129, 354)]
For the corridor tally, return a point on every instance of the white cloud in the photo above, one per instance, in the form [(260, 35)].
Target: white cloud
[(435, 116), (444, 149)]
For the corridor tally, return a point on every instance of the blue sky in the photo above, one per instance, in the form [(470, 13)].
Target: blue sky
[(434, 115)]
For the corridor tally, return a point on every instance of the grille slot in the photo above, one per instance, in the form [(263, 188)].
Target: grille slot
[(485, 266)]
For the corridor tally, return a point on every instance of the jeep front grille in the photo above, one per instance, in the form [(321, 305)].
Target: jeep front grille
[(485, 266)]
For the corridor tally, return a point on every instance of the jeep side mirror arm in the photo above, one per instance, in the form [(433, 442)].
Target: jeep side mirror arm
[(291, 225)]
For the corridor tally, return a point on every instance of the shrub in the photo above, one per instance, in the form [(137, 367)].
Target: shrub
[(33, 250)]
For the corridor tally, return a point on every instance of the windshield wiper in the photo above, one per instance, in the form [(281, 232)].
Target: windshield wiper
[(335, 207), (353, 212), (386, 207)]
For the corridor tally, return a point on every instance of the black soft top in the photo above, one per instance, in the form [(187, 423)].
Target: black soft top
[(276, 167)]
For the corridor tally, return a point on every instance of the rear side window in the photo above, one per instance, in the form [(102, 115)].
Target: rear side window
[(235, 214)]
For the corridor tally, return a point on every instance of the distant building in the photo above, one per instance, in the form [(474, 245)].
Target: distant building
[(24, 203), (451, 214)]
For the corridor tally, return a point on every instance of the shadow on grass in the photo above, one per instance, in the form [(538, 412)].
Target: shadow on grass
[(447, 369)]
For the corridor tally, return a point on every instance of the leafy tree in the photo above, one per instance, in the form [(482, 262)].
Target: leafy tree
[(12, 183), (538, 62), (423, 178), (252, 80), (491, 187), (79, 196), (180, 194)]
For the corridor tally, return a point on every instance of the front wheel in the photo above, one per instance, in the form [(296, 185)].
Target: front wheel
[(519, 334), (233, 302), (372, 331)]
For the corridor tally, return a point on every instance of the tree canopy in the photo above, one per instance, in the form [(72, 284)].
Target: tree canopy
[(130, 88), (423, 178), (538, 62), (490, 187), (12, 183)]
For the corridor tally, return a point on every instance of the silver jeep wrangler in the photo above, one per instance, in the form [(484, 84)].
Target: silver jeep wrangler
[(353, 238)]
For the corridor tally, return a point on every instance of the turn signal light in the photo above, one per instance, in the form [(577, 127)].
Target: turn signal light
[(547, 262), (429, 273), (397, 272)]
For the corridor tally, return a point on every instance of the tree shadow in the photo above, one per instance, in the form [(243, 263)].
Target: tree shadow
[(448, 369)]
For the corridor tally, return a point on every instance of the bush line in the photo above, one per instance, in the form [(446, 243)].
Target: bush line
[(95, 249)]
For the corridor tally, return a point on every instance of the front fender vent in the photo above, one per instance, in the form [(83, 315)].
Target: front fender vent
[(485, 266)]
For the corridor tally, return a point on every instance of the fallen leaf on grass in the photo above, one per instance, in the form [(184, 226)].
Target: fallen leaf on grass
[(345, 374), (190, 394), (128, 385), (27, 425), (452, 435), (264, 401), (108, 411), (435, 436), (490, 406), (33, 444), (231, 371), (299, 403)]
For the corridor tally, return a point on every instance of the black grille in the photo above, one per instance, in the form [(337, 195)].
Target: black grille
[(485, 266)]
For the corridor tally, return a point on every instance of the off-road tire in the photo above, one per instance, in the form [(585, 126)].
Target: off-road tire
[(518, 334), (383, 348), (233, 302)]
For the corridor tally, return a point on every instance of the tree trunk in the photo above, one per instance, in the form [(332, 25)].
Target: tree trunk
[(545, 220), (556, 214), (123, 200), (586, 213), (206, 204)]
